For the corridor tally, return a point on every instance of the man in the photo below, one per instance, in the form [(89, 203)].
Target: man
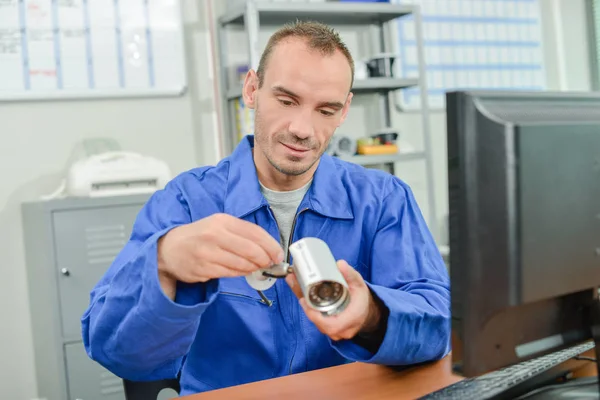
[(175, 302)]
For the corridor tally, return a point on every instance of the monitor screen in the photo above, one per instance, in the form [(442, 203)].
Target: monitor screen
[(524, 223)]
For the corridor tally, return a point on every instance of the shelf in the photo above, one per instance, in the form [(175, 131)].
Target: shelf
[(383, 84), (371, 85), (332, 13), (383, 158), (444, 250)]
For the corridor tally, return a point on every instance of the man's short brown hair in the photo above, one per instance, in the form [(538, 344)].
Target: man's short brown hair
[(318, 36)]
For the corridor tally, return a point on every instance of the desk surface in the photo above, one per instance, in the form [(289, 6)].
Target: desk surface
[(351, 381)]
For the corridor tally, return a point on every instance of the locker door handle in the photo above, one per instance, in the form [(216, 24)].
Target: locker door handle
[(65, 272)]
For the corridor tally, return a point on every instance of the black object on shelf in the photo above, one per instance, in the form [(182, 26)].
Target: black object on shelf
[(381, 65), (389, 137)]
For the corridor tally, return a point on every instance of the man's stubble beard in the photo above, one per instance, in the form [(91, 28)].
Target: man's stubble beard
[(263, 142)]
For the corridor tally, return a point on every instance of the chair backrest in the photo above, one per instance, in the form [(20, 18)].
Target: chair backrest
[(149, 390)]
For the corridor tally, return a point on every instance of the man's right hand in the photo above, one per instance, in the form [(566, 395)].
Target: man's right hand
[(217, 246)]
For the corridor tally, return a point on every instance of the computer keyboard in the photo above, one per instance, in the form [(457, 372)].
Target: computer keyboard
[(494, 384)]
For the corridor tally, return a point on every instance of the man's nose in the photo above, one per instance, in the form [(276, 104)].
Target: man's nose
[(302, 124)]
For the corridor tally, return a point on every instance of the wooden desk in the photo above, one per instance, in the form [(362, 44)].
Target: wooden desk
[(361, 382), (351, 381)]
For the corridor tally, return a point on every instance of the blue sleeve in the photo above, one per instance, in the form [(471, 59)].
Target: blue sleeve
[(131, 327), (409, 276)]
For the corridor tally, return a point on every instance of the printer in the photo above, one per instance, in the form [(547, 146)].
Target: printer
[(116, 173)]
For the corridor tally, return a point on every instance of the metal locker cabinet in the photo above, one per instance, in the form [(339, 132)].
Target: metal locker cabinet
[(89, 380), (86, 242), (69, 244)]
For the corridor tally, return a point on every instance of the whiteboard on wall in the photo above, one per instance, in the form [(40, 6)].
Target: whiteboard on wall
[(472, 44), (53, 49)]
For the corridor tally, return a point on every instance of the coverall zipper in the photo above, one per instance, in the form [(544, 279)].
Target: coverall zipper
[(288, 261), (291, 237), (245, 297)]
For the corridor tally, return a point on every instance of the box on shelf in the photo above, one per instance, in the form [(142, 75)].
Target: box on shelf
[(244, 119)]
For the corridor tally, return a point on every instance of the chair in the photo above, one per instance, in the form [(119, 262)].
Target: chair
[(148, 390)]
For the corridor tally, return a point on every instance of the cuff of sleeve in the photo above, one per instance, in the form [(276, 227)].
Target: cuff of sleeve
[(409, 338), (362, 348), (191, 299)]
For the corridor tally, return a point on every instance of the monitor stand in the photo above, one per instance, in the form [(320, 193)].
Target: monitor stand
[(584, 388)]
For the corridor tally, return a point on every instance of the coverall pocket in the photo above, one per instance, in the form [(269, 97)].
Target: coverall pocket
[(236, 338)]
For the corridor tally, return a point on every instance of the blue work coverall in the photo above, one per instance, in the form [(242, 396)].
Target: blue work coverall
[(219, 333)]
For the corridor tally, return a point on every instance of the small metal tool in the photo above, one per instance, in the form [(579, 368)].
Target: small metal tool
[(264, 298), (265, 278)]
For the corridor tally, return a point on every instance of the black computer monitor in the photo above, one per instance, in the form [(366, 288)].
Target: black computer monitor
[(524, 224)]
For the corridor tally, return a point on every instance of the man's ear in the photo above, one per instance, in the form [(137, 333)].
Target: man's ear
[(250, 89), (346, 108)]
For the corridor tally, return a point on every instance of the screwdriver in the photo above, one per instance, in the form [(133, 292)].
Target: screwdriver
[(276, 271)]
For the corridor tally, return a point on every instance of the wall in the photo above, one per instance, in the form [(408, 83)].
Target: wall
[(567, 44), (38, 138)]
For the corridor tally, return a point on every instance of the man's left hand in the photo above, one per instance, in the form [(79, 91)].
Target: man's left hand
[(362, 315)]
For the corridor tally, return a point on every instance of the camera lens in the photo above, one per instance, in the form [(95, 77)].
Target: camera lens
[(326, 293)]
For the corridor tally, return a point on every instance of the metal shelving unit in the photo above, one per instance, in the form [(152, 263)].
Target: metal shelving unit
[(333, 13), (370, 85), (384, 158), (252, 14)]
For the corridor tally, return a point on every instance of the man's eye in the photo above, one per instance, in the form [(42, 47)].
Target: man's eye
[(326, 113), (286, 102)]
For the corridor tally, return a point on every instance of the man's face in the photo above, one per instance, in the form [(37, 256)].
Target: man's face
[(304, 98)]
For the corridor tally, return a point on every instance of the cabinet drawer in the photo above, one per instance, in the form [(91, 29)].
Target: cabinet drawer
[(86, 242), (88, 380)]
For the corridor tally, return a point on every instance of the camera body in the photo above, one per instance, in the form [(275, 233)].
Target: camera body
[(319, 277), (317, 273)]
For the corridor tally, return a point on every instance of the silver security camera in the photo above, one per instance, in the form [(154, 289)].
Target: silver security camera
[(317, 273)]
